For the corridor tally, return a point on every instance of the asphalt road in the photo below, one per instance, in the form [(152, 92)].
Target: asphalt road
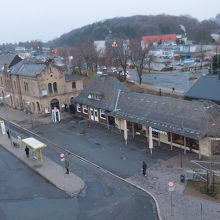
[(105, 147), (25, 195)]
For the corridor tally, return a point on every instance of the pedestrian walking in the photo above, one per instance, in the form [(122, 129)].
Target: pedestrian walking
[(27, 151), (144, 168), (67, 164), (9, 135), (173, 89)]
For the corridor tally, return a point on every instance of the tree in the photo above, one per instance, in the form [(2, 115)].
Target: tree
[(139, 55), (89, 53), (121, 53)]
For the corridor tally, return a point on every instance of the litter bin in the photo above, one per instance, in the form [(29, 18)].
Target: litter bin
[(182, 178)]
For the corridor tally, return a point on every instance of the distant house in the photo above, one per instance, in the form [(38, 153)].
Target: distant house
[(158, 39), (98, 98), (206, 88)]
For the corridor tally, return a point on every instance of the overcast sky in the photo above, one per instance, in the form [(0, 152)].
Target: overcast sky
[(23, 20)]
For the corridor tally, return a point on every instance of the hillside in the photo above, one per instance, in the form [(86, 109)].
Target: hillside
[(140, 25)]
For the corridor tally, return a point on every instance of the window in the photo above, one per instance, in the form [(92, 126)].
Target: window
[(25, 86), (102, 114), (94, 97), (50, 88), (78, 108), (85, 109), (55, 87), (73, 85)]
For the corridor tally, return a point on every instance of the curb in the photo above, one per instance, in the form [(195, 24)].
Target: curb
[(97, 166), (40, 174)]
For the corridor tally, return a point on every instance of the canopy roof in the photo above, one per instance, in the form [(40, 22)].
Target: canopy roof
[(33, 143)]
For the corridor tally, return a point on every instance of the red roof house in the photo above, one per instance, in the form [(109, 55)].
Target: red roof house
[(157, 38)]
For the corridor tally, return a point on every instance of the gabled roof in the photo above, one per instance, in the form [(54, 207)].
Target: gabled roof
[(28, 67), (9, 59), (108, 86), (188, 118), (157, 38), (206, 87)]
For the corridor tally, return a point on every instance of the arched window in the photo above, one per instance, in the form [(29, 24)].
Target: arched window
[(55, 87), (73, 85), (50, 88)]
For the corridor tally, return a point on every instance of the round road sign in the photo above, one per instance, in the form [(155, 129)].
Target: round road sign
[(62, 155)]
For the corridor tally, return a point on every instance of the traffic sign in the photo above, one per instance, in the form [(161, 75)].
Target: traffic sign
[(171, 186), (62, 155)]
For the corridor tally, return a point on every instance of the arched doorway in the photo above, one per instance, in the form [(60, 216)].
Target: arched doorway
[(33, 107), (72, 106), (38, 107), (11, 101), (55, 103)]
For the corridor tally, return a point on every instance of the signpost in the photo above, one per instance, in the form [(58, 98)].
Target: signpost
[(171, 187), (62, 156)]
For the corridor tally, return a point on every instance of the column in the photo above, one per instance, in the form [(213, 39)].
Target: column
[(107, 122), (133, 129), (184, 145), (171, 140), (159, 139), (125, 132), (150, 141)]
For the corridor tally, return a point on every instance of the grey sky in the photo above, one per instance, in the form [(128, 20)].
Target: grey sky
[(23, 20)]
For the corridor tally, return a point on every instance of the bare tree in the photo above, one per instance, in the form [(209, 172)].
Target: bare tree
[(90, 54), (121, 53), (138, 57)]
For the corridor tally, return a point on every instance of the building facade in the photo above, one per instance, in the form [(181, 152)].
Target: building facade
[(192, 126), (38, 86)]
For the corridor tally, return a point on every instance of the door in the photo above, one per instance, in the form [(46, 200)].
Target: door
[(92, 114), (96, 118)]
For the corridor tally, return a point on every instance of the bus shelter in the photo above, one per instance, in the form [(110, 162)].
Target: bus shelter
[(36, 146)]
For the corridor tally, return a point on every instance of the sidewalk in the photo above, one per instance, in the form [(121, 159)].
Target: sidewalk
[(26, 120), (183, 206), (49, 170)]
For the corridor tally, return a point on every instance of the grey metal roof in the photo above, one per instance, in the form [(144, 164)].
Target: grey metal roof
[(6, 59), (28, 67), (108, 86), (71, 78), (207, 87), (188, 118)]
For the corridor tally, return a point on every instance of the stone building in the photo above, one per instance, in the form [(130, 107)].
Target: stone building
[(38, 86)]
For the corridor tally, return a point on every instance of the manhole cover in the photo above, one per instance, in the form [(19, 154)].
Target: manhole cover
[(154, 178)]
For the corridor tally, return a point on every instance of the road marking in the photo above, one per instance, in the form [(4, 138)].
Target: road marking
[(93, 164)]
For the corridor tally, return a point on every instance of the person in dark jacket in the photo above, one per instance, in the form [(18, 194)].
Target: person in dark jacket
[(67, 164), (27, 151), (144, 168), (9, 135)]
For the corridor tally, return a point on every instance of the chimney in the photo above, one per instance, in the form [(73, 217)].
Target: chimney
[(5, 69)]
